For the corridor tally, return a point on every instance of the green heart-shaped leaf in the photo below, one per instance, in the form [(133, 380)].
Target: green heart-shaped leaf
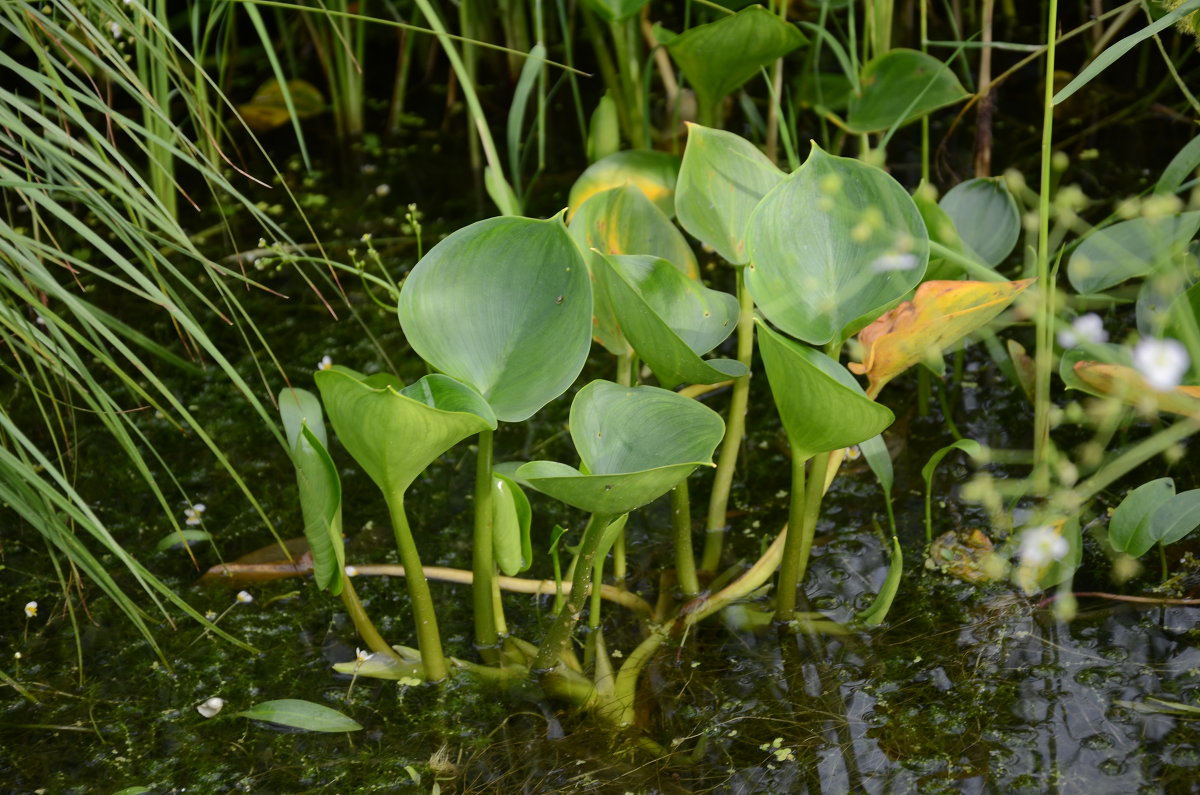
[(511, 514), (319, 485), (504, 305), (718, 57), (836, 242), (635, 443), (1128, 249), (393, 431), (1176, 518), (823, 408), (901, 86), (653, 173), (985, 216), (669, 319), (623, 221), (722, 179), (1129, 529)]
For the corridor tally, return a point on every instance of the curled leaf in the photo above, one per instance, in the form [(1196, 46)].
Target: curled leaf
[(1128, 385), (941, 313)]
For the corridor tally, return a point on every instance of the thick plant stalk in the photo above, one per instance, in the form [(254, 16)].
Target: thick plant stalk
[(559, 635), (428, 639), (482, 564), (362, 622), (735, 430), (685, 557), (802, 517)]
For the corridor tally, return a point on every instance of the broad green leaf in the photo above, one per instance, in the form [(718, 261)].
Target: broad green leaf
[(874, 615), (985, 216), (837, 240), (1176, 518), (511, 546), (722, 179), (653, 173), (299, 714), (968, 446), (823, 408), (670, 320), (1128, 249), (319, 485), (1181, 168), (504, 305), (875, 451), (268, 108), (615, 10), (622, 220), (720, 56), (940, 314), (1129, 528), (635, 443), (901, 86), (1111, 54), (297, 407), (394, 432), (944, 234), (182, 537)]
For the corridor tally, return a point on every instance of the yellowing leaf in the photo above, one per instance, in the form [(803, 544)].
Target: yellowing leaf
[(1126, 384), (941, 313), (268, 109)]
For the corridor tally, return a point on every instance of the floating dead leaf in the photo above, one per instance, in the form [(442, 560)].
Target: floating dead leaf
[(268, 109), (1127, 385), (941, 313)]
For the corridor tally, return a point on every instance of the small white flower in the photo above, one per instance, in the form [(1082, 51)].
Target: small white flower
[(1041, 546), (351, 571), (210, 707), (210, 614), (366, 237), (362, 655), (325, 363), (1161, 362), (244, 597), (894, 261), (115, 29), (194, 514), (1085, 328), (383, 189), (30, 609)]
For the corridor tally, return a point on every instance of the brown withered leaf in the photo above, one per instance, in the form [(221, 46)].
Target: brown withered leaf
[(1128, 385)]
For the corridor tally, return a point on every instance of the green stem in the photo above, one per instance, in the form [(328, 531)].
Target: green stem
[(482, 563), (1045, 313), (362, 622), (799, 543), (735, 430), (625, 43), (685, 557), (428, 639), (560, 632)]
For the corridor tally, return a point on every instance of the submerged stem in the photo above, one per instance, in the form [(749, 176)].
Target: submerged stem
[(560, 632), (428, 639), (795, 551)]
